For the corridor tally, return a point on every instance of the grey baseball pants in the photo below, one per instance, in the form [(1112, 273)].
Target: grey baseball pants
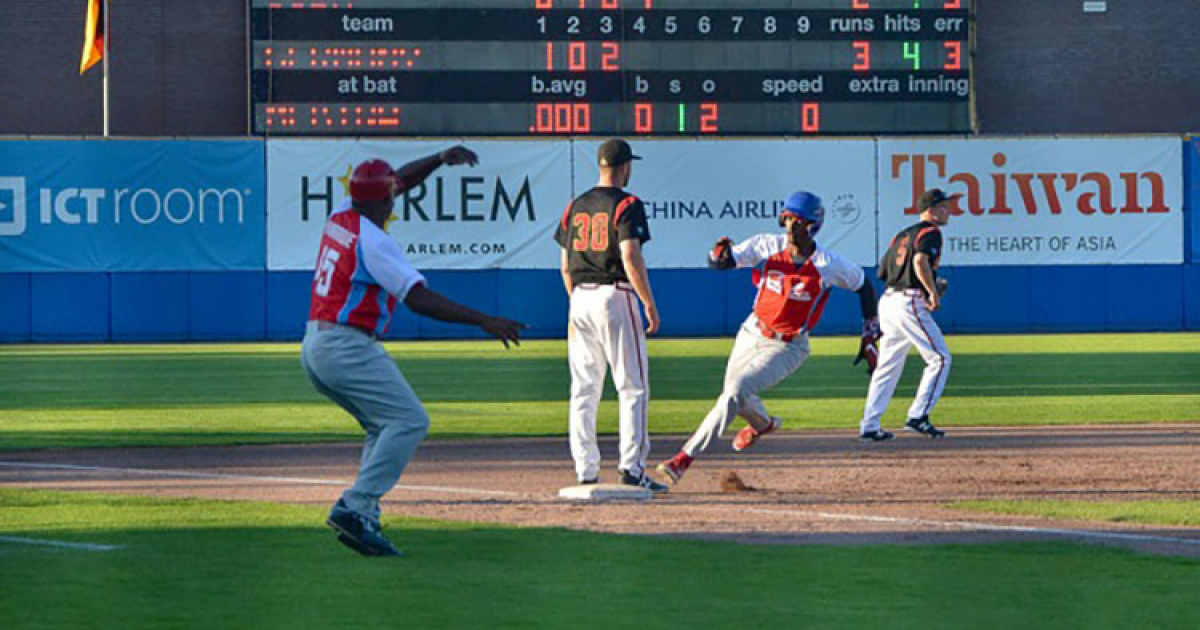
[(755, 365), (354, 371)]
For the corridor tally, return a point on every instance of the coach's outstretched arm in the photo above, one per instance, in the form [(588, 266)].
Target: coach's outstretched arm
[(430, 303), (415, 172)]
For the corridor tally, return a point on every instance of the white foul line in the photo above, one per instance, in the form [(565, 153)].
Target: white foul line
[(1078, 533), (195, 475), (57, 543)]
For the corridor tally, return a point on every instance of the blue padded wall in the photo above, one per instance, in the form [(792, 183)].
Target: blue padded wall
[(287, 303), (15, 307), (149, 306), (476, 289), (70, 307), (227, 305), (535, 297), (1191, 297)]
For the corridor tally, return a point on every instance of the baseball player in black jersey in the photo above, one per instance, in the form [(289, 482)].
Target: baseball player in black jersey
[(909, 268), (601, 235)]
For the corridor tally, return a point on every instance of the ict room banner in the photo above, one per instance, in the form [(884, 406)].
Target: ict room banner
[(697, 191), (500, 213), (1052, 201), (131, 205)]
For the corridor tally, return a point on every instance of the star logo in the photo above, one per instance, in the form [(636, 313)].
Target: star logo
[(345, 179)]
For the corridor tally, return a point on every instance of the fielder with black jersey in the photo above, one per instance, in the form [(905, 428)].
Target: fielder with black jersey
[(601, 236), (909, 268)]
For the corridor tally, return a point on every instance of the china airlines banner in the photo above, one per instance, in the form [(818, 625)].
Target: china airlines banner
[(500, 213), (1042, 201), (696, 192)]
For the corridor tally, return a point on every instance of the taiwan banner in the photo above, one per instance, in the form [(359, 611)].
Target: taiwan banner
[(1051, 201)]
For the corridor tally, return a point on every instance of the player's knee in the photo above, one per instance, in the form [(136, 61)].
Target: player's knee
[(940, 360), (420, 422)]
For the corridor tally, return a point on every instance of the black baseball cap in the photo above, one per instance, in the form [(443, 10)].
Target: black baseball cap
[(933, 197), (615, 152)]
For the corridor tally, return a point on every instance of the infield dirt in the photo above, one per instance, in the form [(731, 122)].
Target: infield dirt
[(812, 487)]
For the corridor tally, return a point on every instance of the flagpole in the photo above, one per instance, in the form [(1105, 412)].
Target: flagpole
[(107, 36)]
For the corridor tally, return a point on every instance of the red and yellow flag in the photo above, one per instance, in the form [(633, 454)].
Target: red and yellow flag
[(93, 36)]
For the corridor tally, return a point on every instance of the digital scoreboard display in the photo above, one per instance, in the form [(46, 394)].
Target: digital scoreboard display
[(611, 67)]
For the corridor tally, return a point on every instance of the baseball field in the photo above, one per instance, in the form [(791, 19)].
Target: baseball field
[(185, 486)]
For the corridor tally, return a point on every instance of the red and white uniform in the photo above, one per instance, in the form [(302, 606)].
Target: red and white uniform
[(773, 341), (361, 273)]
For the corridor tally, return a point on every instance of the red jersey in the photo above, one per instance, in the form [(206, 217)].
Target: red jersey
[(361, 273), (792, 293)]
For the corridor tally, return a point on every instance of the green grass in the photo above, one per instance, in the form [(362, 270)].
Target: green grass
[(80, 395), (206, 564), (1181, 513)]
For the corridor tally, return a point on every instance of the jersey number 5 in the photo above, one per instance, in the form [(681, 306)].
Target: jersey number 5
[(326, 263), (591, 232)]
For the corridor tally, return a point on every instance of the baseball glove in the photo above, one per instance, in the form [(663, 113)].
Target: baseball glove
[(942, 285), (721, 256), (868, 347)]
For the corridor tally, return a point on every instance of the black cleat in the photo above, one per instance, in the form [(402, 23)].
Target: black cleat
[(923, 426), (588, 482), (644, 481), (359, 533), (876, 436)]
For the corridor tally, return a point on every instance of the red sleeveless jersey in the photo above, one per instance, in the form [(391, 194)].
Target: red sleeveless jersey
[(361, 272)]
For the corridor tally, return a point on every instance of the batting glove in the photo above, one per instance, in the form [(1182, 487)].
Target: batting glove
[(868, 347), (721, 256)]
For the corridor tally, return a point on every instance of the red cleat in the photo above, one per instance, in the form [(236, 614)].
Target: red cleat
[(749, 435)]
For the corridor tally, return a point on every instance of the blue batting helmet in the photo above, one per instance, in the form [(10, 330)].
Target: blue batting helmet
[(807, 206)]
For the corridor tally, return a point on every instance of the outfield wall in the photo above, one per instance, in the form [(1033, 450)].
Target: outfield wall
[(85, 271)]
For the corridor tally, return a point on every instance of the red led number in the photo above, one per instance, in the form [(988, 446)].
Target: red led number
[(810, 117), (708, 117), (643, 118), (610, 51), (597, 225), (604, 4), (562, 118), (953, 56), (862, 56)]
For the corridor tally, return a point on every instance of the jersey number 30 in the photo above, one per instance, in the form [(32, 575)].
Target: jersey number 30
[(591, 232), (326, 263)]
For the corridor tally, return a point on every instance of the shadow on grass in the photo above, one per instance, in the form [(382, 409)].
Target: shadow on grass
[(457, 576)]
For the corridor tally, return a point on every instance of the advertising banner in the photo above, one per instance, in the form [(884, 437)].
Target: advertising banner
[(696, 192), (131, 205), (500, 213), (1052, 201)]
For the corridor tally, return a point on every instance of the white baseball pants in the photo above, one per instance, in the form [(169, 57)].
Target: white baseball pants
[(905, 321), (756, 364), (605, 329)]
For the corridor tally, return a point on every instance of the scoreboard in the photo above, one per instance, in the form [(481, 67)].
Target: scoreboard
[(683, 68)]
